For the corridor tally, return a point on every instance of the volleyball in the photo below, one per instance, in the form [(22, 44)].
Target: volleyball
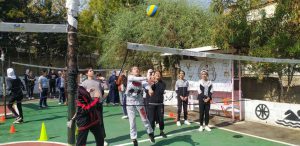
[(152, 10)]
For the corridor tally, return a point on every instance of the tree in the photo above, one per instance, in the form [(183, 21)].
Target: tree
[(33, 11), (275, 37), (177, 25)]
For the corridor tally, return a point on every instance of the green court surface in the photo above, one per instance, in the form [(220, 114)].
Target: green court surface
[(117, 130)]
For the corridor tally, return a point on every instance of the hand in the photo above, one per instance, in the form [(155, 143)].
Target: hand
[(40, 89), (69, 123), (185, 98), (91, 90), (181, 97), (207, 99), (97, 94), (151, 92)]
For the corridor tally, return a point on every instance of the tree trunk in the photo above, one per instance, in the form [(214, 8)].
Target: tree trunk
[(72, 6), (281, 86)]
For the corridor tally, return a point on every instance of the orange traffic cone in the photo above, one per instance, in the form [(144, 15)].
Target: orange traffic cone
[(2, 119), (171, 115), (12, 129)]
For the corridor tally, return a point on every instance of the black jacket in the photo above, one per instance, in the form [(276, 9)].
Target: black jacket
[(202, 96), (15, 86), (86, 115), (159, 91)]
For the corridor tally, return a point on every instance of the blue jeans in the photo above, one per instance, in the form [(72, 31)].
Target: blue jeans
[(123, 102)]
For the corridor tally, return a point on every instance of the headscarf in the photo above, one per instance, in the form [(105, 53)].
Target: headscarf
[(11, 73)]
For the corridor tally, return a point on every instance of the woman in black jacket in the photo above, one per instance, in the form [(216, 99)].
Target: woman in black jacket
[(15, 86)]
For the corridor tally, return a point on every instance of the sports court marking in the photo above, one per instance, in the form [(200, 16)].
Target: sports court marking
[(276, 141), (24, 142), (188, 131), (159, 137)]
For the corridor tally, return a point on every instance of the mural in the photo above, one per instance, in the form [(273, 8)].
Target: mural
[(291, 119), (219, 72), (262, 112)]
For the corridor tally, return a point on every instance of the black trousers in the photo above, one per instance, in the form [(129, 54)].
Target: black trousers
[(11, 101), (30, 90), (156, 113), (100, 109), (204, 112), (83, 134), (52, 87), (62, 97), (181, 103), (43, 97)]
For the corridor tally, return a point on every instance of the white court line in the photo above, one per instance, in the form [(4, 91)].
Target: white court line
[(276, 141), (52, 142), (145, 140)]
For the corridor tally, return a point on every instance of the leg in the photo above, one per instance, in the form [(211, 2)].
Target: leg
[(160, 114), (132, 124), (41, 99), (206, 111), (97, 131), (185, 113), (179, 105), (201, 112), (124, 104), (143, 115), (19, 106), (151, 116), (10, 106), (62, 95), (31, 91), (82, 137)]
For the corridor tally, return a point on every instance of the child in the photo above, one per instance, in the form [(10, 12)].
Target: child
[(31, 82), (135, 102), (87, 118), (156, 103), (94, 88), (205, 90), (15, 86), (43, 88), (60, 83), (181, 88), (52, 81)]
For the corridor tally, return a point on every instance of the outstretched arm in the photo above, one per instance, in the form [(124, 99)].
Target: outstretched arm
[(133, 78)]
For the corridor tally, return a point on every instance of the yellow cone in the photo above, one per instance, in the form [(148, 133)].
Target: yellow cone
[(43, 135)]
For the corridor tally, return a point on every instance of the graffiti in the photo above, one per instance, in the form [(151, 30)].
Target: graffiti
[(291, 119), (209, 66), (169, 97), (262, 111)]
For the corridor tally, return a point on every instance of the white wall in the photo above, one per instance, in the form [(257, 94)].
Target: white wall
[(280, 114)]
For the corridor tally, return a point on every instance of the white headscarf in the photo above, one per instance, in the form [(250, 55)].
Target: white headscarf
[(11, 73)]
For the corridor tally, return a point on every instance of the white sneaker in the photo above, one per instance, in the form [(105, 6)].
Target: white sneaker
[(125, 117), (207, 128), (59, 103), (105, 143), (186, 122), (178, 123), (200, 129)]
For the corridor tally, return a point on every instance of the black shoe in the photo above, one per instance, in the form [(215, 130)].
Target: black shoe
[(151, 136), (135, 143), (163, 134)]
